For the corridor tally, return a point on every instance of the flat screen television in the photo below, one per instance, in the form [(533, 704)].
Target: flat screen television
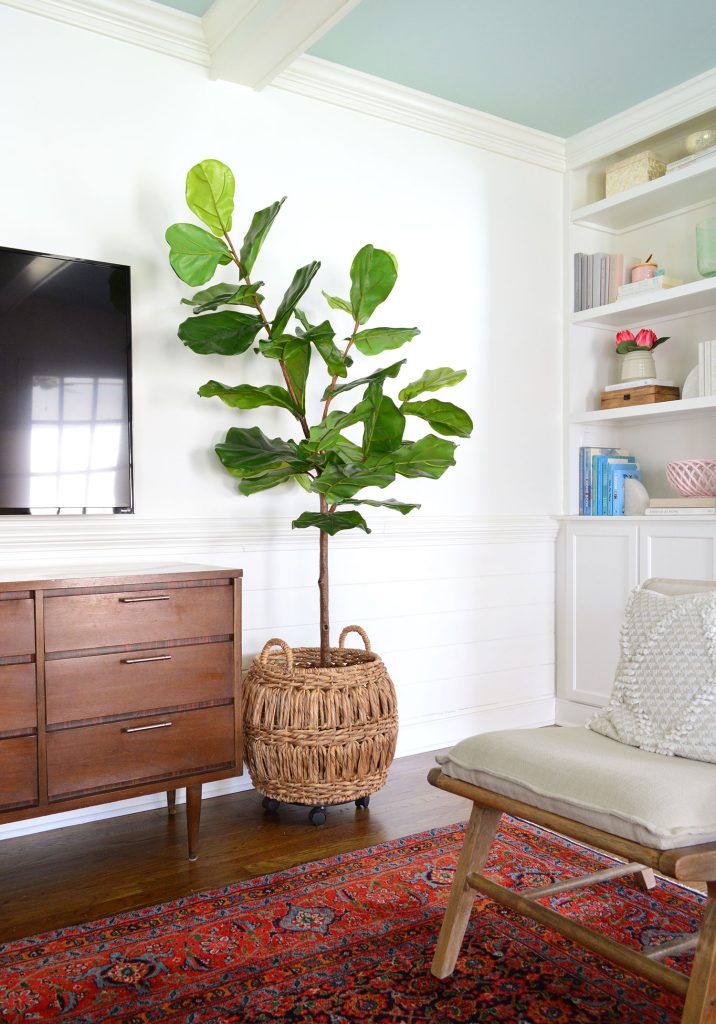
[(65, 385)]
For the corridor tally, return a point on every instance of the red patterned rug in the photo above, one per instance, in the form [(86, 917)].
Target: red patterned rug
[(349, 941)]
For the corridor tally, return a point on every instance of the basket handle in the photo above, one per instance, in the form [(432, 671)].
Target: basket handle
[(354, 629), (288, 653)]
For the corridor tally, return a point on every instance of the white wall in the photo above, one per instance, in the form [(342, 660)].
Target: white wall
[(98, 136)]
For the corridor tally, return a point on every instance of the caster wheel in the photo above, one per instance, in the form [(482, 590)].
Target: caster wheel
[(362, 801), (317, 815), (269, 804)]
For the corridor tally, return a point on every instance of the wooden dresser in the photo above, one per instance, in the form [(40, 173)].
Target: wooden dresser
[(118, 685)]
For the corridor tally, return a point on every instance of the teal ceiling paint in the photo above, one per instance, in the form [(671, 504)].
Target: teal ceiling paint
[(556, 65), (198, 7)]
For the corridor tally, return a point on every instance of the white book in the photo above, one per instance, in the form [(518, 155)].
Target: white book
[(645, 382), (680, 511)]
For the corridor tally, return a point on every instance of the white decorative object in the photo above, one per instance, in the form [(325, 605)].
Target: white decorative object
[(664, 695), (637, 364), (704, 139), (693, 478), (636, 497), (691, 384)]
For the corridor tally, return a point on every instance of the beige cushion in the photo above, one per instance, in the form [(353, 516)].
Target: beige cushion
[(664, 694), (661, 802)]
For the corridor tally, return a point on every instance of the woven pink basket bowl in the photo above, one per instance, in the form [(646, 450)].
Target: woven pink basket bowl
[(694, 478)]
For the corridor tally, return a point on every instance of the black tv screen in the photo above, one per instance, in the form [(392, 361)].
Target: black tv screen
[(65, 385)]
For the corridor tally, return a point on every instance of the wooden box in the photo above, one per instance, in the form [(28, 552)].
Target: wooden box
[(644, 395)]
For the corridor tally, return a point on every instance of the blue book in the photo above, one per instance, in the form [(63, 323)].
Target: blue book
[(587, 479), (608, 467), (600, 477), (616, 492)]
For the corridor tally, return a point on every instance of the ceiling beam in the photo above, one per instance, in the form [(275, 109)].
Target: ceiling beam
[(250, 42)]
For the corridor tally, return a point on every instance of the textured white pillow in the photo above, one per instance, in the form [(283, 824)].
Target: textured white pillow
[(664, 695)]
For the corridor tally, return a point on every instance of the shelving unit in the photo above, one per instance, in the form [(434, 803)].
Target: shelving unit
[(685, 300), (687, 407)]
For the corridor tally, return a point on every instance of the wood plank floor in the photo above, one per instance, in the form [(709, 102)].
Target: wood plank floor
[(59, 878)]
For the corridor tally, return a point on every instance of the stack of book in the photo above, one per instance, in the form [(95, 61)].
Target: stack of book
[(602, 472), (707, 368), (681, 507), (649, 284), (691, 159), (598, 277)]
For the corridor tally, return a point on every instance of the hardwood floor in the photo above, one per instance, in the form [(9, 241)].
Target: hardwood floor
[(59, 878)]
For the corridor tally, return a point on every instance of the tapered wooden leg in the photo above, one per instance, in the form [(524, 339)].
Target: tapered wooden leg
[(193, 817), (645, 879), (480, 833), (700, 1005), (171, 802)]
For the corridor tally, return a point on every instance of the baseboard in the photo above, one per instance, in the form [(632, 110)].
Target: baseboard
[(568, 712)]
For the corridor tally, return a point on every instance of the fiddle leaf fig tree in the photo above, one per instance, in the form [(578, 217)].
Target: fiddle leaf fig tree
[(229, 318)]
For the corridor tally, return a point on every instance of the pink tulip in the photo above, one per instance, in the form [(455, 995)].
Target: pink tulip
[(624, 336), (645, 338)]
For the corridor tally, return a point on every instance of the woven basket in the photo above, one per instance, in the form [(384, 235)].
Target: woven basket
[(318, 735)]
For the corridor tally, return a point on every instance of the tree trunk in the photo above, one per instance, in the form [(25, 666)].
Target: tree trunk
[(323, 593)]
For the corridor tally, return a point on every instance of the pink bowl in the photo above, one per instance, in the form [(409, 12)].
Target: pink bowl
[(694, 478)]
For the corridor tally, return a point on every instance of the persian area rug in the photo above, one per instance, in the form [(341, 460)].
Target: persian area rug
[(349, 941)]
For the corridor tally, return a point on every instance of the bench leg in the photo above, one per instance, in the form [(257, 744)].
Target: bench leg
[(700, 1005), (480, 833)]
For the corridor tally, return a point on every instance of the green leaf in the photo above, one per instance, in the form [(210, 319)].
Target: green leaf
[(273, 348), (373, 274), (248, 452), (331, 522), (195, 254), (258, 229), (298, 287), (339, 481), (377, 339), (264, 481), (444, 417), (428, 457), (245, 396), (297, 360), (210, 194), (626, 346), (224, 334), (379, 376), (384, 425), (399, 506), (322, 337), (335, 303), (432, 380), (225, 295)]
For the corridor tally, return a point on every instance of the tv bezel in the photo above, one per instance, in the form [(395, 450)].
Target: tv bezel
[(118, 509)]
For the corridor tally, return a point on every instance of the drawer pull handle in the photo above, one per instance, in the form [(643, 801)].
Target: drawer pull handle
[(140, 661), (136, 600), (146, 728)]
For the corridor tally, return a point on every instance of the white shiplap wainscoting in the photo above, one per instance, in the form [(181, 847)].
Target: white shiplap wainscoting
[(460, 608)]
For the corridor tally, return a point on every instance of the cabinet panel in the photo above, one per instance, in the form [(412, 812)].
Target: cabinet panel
[(18, 772), (119, 754), (17, 627), (678, 551), (602, 567), (86, 621), (127, 683), (18, 698)]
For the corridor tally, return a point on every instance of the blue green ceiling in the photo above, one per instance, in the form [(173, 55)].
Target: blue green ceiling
[(188, 6), (557, 65)]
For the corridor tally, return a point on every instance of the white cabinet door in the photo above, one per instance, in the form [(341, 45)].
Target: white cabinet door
[(600, 567), (678, 550)]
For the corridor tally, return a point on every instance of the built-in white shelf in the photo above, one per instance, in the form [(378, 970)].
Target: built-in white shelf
[(687, 298), (657, 411), (688, 186)]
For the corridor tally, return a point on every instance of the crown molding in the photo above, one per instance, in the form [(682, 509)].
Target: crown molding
[(139, 22), (657, 114), (343, 87), (251, 41), (50, 541)]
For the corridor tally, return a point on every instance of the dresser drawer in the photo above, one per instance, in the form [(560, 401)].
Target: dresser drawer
[(85, 621), (17, 627), (124, 684), (18, 772), (18, 698), (114, 755)]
